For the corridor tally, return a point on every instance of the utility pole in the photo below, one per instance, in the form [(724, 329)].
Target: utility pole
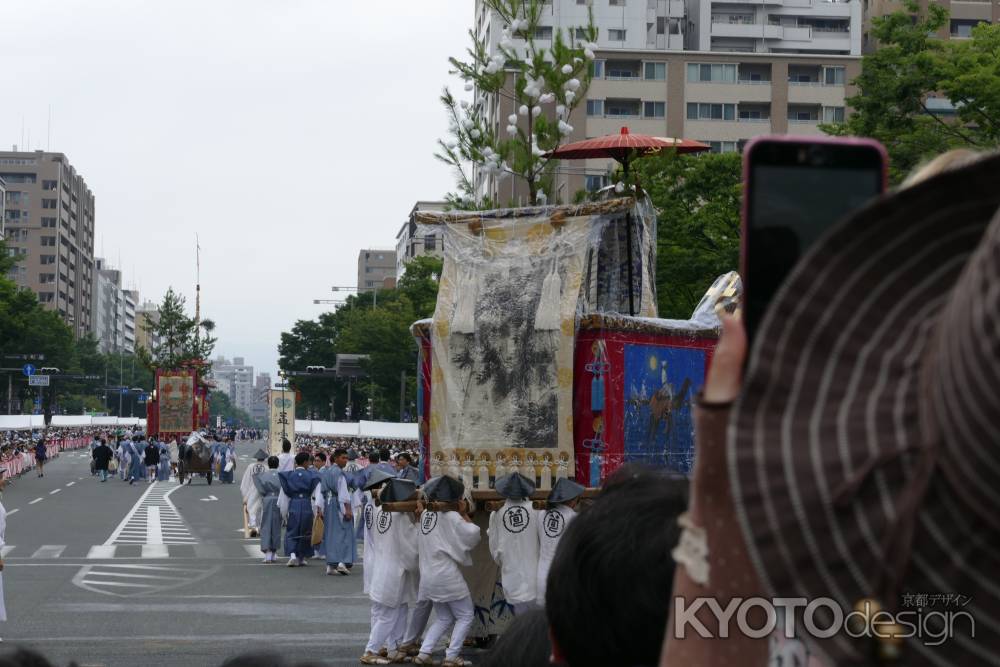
[(402, 394)]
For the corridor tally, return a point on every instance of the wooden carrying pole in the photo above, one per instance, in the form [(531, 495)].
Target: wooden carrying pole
[(493, 501)]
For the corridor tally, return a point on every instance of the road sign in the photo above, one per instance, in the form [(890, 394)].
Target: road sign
[(38, 380), (28, 370), (124, 390)]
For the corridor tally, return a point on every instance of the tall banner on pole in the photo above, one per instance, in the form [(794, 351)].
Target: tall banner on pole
[(282, 404)]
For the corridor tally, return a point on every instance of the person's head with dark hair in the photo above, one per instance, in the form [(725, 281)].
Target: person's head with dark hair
[(319, 459), (302, 459), (404, 459), (373, 457), (608, 592), (340, 457), (272, 462), (286, 446), (383, 455), (22, 657), (524, 643)]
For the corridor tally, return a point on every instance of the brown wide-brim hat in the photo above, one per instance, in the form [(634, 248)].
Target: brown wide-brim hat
[(863, 451)]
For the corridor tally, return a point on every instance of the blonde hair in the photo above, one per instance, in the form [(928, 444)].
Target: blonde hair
[(949, 161)]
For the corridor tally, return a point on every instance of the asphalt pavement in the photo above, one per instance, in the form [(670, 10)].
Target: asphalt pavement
[(111, 574)]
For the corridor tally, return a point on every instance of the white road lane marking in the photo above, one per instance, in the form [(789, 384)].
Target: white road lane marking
[(254, 550), (54, 491), (36, 500), (71, 484), (102, 551), (128, 517), (5, 550), (13, 511), (49, 551), (155, 551), (154, 532)]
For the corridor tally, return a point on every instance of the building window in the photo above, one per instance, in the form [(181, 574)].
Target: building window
[(963, 27), (723, 146), (47, 259), (703, 111), (45, 278), (833, 76), (543, 32), (46, 297), (655, 71), (594, 183), (616, 34), (49, 241), (16, 178), (833, 114), (49, 222), (430, 242), (49, 185), (595, 107), (48, 203), (616, 3), (654, 109), (597, 69), (711, 73)]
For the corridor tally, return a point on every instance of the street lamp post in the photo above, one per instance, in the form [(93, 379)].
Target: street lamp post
[(284, 422)]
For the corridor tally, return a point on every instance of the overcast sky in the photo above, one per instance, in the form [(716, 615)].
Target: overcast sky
[(287, 133)]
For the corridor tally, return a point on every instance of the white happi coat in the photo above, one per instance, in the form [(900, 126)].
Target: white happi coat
[(514, 546), (550, 527), (394, 537), (444, 542)]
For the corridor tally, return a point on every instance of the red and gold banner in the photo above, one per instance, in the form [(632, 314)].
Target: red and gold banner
[(176, 398)]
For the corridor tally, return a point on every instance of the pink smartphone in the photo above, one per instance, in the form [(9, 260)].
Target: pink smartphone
[(794, 189)]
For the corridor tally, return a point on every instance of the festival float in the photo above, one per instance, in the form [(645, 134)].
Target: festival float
[(545, 355)]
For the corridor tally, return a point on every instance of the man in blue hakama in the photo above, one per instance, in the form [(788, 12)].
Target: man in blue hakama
[(227, 456), (338, 518), (269, 487), (136, 468), (295, 503), (163, 472)]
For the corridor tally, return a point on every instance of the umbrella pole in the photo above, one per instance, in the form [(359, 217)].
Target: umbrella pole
[(628, 247)]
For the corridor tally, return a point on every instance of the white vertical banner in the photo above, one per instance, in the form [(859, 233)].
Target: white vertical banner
[(282, 404)]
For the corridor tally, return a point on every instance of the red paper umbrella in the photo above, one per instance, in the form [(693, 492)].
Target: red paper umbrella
[(624, 146)]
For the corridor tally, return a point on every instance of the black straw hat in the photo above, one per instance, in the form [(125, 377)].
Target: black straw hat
[(376, 478), (565, 490), (261, 455), (443, 488), (515, 486), (397, 490)]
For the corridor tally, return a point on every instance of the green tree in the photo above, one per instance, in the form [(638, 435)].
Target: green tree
[(913, 64), (534, 77), (697, 200), (360, 327), (219, 405), (182, 340)]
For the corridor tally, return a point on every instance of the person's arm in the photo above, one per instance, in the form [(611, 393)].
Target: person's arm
[(344, 498), (318, 501), (283, 504)]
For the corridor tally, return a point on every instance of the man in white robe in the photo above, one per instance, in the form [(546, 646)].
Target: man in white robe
[(514, 541), (286, 460), (445, 542), (551, 524), (251, 498), (393, 579)]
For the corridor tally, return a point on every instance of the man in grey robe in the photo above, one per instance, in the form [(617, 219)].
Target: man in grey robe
[(248, 489), (268, 488)]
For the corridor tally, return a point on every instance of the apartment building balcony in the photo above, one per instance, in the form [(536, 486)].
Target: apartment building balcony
[(664, 8), (622, 108), (710, 130), (744, 27)]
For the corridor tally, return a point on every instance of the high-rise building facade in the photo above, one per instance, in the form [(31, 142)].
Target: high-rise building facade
[(146, 315), (415, 240), (49, 220), (733, 71), (236, 379), (375, 267), (3, 204), (108, 308), (131, 301)]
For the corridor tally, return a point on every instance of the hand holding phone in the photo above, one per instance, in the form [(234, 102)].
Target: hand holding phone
[(794, 190)]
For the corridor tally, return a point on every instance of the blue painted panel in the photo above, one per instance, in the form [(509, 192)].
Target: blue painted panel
[(659, 384)]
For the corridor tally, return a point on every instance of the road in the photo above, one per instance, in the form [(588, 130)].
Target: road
[(112, 574)]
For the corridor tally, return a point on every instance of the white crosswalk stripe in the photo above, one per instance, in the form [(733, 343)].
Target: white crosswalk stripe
[(140, 551), (154, 521)]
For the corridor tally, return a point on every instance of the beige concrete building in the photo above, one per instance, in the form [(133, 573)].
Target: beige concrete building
[(723, 99), (415, 240), (145, 315), (49, 220), (376, 269)]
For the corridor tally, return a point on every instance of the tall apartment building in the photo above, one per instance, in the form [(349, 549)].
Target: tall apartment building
[(108, 309), (3, 204), (415, 240), (236, 379), (131, 300), (261, 390), (376, 268), (741, 70), (49, 220), (145, 315)]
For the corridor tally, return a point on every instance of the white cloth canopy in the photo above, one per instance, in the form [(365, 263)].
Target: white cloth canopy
[(390, 430), (29, 422)]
